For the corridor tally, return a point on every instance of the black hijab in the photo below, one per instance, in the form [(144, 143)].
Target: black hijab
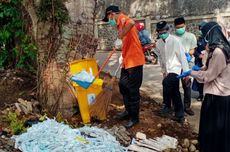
[(212, 32)]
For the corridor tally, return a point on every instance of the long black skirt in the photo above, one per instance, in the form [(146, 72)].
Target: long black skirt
[(214, 131)]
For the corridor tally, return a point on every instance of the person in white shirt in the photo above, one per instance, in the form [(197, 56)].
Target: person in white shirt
[(172, 59)]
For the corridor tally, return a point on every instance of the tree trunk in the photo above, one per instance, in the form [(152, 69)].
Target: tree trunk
[(57, 47)]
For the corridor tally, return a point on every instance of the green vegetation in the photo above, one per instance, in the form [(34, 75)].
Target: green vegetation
[(17, 49), (16, 126)]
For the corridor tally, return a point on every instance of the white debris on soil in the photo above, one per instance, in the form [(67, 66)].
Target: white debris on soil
[(24, 106), (121, 134), (141, 143), (51, 136)]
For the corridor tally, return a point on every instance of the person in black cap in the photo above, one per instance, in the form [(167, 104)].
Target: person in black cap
[(172, 59), (189, 43), (132, 64), (110, 10)]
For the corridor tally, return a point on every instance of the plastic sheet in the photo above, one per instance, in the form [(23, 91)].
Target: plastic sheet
[(84, 76)]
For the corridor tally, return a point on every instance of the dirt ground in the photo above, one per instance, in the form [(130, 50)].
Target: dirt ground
[(16, 84), (151, 123)]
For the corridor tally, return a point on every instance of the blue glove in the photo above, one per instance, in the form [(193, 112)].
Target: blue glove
[(196, 68), (184, 74), (188, 57)]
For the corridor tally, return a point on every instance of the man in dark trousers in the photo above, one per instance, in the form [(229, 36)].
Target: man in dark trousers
[(189, 43), (172, 59), (132, 64)]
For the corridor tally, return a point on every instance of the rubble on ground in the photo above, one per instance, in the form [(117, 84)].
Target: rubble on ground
[(23, 107), (140, 143), (121, 134), (161, 144), (187, 145), (7, 144)]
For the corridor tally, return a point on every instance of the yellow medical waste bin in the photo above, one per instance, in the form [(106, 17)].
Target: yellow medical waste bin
[(86, 96), (78, 65)]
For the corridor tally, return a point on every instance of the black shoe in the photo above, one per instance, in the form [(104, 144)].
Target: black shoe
[(122, 115), (178, 119), (166, 111), (131, 123), (189, 111)]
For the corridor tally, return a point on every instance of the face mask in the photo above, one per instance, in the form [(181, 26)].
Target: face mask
[(163, 35), (180, 31), (112, 22)]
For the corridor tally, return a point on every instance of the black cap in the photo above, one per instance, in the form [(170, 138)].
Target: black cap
[(162, 25), (179, 20), (110, 9)]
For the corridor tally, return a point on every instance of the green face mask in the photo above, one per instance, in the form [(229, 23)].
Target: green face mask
[(112, 22), (164, 35), (180, 31)]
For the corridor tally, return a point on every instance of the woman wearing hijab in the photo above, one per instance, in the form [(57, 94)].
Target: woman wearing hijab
[(214, 131)]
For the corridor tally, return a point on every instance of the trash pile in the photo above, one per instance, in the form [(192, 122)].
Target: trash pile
[(50, 135), (141, 143)]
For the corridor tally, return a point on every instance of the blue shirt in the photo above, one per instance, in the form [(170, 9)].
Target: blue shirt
[(200, 47)]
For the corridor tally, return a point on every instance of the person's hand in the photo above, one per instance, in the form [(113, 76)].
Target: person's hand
[(201, 56), (118, 43), (120, 59), (196, 68), (188, 57), (184, 74), (203, 52)]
